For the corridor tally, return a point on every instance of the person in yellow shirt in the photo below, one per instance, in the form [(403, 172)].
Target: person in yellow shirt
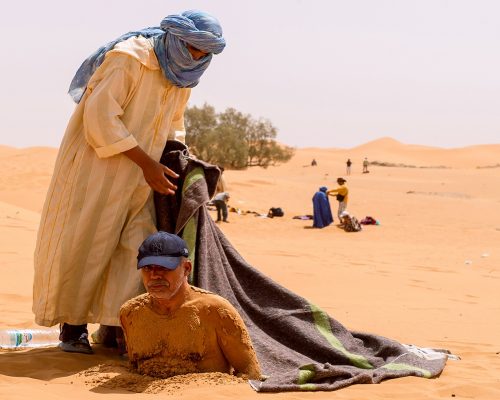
[(130, 95), (342, 195)]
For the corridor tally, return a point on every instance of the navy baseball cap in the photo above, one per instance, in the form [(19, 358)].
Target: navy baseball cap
[(163, 249)]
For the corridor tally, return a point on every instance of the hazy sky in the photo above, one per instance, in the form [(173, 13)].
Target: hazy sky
[(326, 73)]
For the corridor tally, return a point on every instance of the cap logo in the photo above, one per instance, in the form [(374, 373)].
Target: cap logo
[(156, 247)]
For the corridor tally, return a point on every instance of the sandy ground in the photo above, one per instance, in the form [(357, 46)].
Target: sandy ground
[(427, 275)]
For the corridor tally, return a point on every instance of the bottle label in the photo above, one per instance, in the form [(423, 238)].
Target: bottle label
[(21, 338)]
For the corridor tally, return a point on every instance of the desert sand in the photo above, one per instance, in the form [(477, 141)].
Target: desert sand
[(427, 275)]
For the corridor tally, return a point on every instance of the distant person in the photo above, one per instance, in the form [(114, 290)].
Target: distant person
[(176, 328), (365, 166), (313, 162), (348, 166), (322, 213), (349, 222), (131, 96), (220, 202), (342, 195)]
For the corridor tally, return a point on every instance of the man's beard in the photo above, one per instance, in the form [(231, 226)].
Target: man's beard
[(169, 293)]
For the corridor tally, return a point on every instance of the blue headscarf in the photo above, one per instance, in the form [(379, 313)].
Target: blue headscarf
[(197, 28)]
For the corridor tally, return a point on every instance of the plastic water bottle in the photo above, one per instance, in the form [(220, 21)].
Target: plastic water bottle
[(28, 338)]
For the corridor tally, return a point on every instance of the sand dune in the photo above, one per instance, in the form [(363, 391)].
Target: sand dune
[(26, 175), (390, 150), (428, 275)]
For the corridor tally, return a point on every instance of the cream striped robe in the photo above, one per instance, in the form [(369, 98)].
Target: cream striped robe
[(99, 208)]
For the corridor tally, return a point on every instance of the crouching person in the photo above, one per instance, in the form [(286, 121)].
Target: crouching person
[(349, 222), (176, 328)]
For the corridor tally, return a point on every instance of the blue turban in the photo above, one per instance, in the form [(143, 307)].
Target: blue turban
[(323, 189), (197, 28)]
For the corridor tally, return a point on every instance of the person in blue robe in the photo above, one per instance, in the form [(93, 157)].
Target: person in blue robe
[(322, 213)]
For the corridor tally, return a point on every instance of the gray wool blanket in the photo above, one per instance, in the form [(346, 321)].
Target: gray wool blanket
[(298, 345)]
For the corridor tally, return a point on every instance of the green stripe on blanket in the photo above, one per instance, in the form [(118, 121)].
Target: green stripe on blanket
[(194, 175), (191, 227), (306, 373), (406, 367), (322, 322)]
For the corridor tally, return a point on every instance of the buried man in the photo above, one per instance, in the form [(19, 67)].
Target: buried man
[(176, 328)]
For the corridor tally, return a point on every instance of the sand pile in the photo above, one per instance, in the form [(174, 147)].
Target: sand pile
[(118, 375)]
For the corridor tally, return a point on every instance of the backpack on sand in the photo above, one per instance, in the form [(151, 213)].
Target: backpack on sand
[(275, 212), (351, 224)]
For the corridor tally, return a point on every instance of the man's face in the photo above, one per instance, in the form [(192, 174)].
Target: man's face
[(195, 53), (163, 283)]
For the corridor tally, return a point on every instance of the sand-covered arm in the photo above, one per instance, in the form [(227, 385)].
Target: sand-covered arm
[(236, 344), (125, 311)]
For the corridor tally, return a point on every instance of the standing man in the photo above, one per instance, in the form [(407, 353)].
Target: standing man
[(131, 96), (365, 166), (342, 195), (348, 167), (220, 201)]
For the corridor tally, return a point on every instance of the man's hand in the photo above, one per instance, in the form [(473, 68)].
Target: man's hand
[(155, 173)]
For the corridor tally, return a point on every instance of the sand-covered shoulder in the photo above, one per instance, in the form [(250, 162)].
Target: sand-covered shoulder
[(427, 275)]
